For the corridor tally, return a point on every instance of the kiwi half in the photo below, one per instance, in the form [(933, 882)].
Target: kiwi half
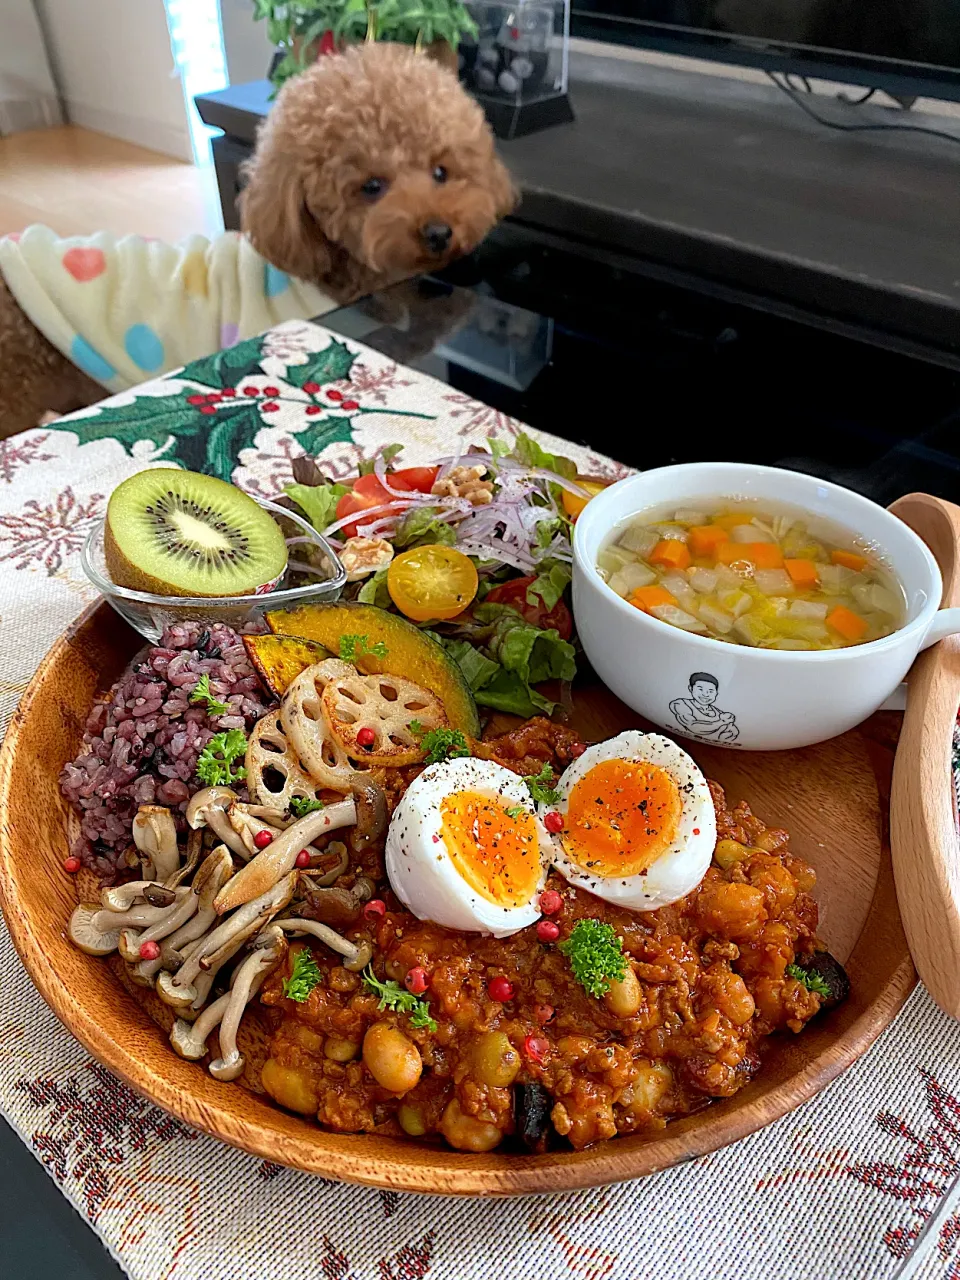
[(178, 533)]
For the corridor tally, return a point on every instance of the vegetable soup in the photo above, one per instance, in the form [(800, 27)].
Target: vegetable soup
[(758, 574)]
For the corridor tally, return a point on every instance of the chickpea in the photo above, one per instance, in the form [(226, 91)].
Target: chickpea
[(306, 1037), (624, 998), (464, 1132), (729, 852), (495, 1061), (392, 1059), (772, 840), (340, 979), (778, 883), (652, 1082), (733, 999), (339, 1050), (293, 1089), (410, 1120), (731, 910)]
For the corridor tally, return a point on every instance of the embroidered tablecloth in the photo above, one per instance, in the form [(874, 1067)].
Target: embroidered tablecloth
[(839, 1188)]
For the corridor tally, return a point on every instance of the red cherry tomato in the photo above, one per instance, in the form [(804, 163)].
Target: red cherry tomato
[(371, 487), (355, 503), (414, 479), (514, 593)]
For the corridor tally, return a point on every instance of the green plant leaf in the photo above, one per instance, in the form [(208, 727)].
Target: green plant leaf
[(323, 431), (227, 368), (332, 364)]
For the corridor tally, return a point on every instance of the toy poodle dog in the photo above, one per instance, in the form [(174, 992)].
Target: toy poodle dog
[(373, 166)]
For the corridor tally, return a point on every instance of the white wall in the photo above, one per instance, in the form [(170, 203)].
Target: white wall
[(245, 42), (28, 96), (115, 70)]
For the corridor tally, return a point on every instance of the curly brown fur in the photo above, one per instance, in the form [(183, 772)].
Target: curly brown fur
[(34, 376), (376, 111)]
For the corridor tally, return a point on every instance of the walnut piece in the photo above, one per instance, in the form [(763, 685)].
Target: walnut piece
[(466, 482), (363, 556)]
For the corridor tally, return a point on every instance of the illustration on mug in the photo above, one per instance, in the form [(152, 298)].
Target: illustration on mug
[(699, 715)]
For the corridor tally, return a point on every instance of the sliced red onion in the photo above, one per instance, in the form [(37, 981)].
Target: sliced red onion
[(380, 471), (497, 551), (361, 517)]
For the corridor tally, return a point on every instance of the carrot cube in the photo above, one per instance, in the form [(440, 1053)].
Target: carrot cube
[(646, 598), (705, 538), (850, 625), (671, 553), (803, 572), (762, 555), (849, 560)]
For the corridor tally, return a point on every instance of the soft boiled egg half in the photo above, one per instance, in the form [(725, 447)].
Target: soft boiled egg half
[(639, 826), (466, 850)]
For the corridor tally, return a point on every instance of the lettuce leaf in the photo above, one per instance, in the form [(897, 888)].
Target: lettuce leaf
[(318, 501), (388, 452), (531, 454), (478, 670), (420, 526), (549, 584), (374, 590)]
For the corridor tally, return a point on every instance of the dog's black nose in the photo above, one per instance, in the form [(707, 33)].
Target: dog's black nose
[(436, 236)]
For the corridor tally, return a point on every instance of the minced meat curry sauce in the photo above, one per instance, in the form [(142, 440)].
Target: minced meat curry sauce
[(521, 1054)]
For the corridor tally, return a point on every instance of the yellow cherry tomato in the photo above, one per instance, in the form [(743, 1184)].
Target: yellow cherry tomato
[(573, 505), (432, 582)]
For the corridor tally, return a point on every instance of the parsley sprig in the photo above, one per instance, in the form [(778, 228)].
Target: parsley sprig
[(354, 647), (300, 806), (201, 693), (541, 788), (439, 744), (596, 956), (217, 758), (399, 999), (812, 981), (304, 976), (514, 811)]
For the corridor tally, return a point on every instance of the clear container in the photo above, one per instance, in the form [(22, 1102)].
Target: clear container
[(314, 574), (520, 53)]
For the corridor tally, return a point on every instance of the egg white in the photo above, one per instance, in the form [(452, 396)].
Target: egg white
[(681, 866), (419, 867)]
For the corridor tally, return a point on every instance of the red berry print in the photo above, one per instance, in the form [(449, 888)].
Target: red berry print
[(548, 930), (334, 395), (214, 397), (195, 399), (270, 407), (553, 821), (71, 865), (149, 951), (500, 989), (263, 838), (271, 391), (207, 409), (536, 1047), (311, 388), (229, 391), (350, 404), (416, 980), (250, 391), (312, 410), (375, 909)]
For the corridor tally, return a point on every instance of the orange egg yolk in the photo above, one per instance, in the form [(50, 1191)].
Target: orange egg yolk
[(621, 816), (496, 854)]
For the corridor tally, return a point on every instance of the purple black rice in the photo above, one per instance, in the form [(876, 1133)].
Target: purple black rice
[(142, 742)]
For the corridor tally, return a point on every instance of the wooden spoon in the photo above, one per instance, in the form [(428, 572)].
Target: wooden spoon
[(924, 838)]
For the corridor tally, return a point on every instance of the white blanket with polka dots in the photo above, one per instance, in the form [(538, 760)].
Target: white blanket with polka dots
[(123, 307)]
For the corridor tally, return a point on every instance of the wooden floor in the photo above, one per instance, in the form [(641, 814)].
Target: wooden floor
[(78, 182)]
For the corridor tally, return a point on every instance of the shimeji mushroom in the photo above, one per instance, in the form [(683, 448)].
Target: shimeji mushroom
[(155, 835), (248, 826), (189, 1040), (208, 808), (279, 857), (175, 916), (194, 850), (338, 906), (122, 897), (356, 955), (215, 870), (139, 916), (87, 932), (180, 989)]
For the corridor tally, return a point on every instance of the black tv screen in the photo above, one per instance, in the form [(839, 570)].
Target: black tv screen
[(903, 46)]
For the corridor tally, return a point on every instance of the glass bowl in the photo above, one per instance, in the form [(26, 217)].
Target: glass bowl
[(314, 574)]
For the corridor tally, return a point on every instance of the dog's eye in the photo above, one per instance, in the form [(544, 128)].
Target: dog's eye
[(440, 174), (373, 188)]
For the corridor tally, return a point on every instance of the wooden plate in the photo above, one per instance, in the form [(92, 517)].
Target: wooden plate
[(833, 799)]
